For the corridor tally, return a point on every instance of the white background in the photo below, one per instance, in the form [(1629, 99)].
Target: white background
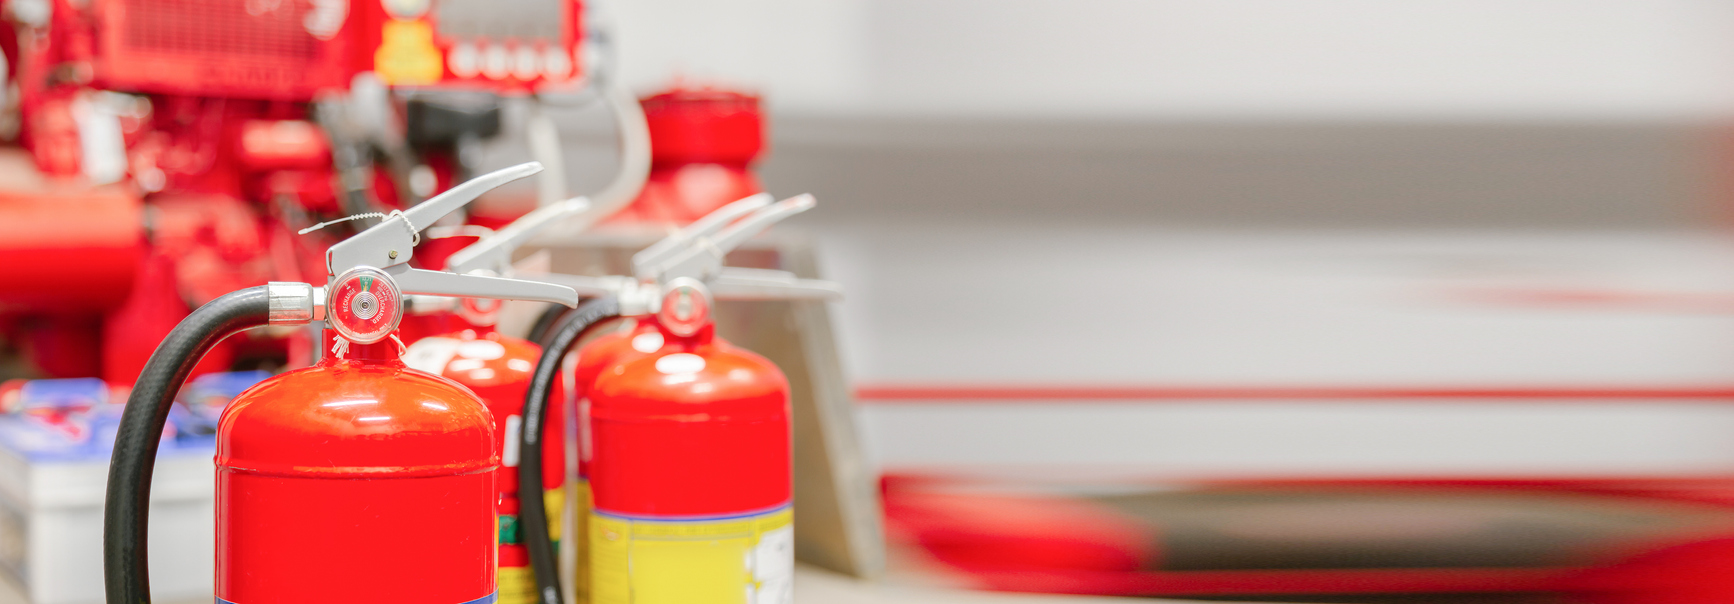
[(1191, 58), (1106, 300)]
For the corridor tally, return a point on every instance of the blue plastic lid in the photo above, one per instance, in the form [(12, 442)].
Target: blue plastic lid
[(75, 392)]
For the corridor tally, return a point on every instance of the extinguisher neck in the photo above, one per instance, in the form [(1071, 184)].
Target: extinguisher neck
[(704, 335), (384, 351)]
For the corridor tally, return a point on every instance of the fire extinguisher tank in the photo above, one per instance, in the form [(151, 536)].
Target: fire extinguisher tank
[(690, 477), (685, 438), (632, 339), (334, 482), (496, 367), (358, 479), (697, 429), (497, 370)]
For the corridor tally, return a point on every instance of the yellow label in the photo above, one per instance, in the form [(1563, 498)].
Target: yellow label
[(554, 506), (581, 566), (747, 560), (517, 585), (407, 54)]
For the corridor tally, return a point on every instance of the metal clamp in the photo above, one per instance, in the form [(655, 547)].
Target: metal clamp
[(293, 303)]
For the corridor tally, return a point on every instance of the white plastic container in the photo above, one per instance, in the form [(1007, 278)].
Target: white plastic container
[(51, 526)]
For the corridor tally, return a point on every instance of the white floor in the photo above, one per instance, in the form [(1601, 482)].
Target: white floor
[(816, 586)]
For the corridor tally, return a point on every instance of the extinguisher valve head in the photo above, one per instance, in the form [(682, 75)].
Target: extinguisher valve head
[(685, 307), (638, 299), (385, 250), (295, 303)]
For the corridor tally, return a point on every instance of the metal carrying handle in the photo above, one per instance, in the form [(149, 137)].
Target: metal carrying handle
[(702, 257), (494, 251), (441, 283), (587, 286), (735, 283), (392, 241), (757, 222), (697, 252), (731, 283), (645, 261), (389, 245)]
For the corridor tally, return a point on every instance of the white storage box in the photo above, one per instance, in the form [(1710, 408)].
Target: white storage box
[(51, 526)]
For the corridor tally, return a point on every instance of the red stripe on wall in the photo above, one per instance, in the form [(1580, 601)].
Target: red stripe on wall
[(915, 394)]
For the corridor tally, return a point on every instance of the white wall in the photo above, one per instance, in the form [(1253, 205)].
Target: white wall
[(950, 301), (1191, 58), (807, 54), (1048, 307)]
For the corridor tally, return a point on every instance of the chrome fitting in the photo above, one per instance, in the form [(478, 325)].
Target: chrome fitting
[(295, 303), (685, 307), (638, 299)]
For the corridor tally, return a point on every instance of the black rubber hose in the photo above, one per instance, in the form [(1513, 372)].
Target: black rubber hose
[(544, 325), (126, 515), (532, 513)]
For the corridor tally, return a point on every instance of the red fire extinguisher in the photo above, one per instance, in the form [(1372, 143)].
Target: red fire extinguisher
[(687, 437), (497, 368), (357, 479), (635, 337)]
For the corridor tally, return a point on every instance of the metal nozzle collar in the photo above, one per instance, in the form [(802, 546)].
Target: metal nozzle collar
[(293, 303)]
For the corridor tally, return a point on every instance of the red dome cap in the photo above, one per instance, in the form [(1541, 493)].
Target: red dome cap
[(704, 125)]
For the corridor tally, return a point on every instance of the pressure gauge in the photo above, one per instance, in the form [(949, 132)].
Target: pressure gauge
[(365, 305), (686, 307)]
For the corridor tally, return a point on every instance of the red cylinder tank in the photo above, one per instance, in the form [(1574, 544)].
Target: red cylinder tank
[(690, 475), (634, 338), (497, 368), (357, 479), (703, 143), (68, 251)]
